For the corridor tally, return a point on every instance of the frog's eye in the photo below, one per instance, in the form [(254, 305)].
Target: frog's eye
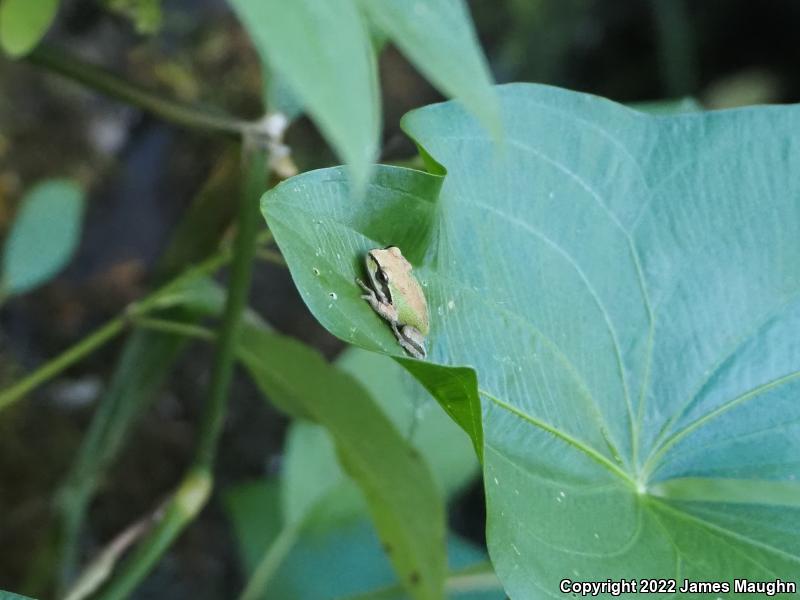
[(382, 276)]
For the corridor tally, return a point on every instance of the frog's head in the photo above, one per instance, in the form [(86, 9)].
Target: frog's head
[(383, 267)]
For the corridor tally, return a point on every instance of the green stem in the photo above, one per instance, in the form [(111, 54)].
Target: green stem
[(105, 333), (183, 507), (174, 327), (177, 516), (60, 62), (238, 289), (257, 584), (64, 360)]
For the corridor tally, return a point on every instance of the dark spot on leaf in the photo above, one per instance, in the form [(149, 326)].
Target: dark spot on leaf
[(387, 548), (414, 578)]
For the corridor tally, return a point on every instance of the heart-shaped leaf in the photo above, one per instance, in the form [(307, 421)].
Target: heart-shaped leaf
[(627, 290)]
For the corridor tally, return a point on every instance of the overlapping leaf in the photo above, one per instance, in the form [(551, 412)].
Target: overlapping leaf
[(321, 50), (319, 56), (627, 290), (400, 492), (438, 37)]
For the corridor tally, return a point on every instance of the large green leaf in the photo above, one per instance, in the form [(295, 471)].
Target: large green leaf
[(43, 237), (23, 23), (627, 289), (322, 51), (438, 37)]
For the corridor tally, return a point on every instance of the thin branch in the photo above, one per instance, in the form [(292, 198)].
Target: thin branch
[(174, 327), (60, 62), (107, 332), (265, 569), (238, 290), (64, 360), (187, 503)]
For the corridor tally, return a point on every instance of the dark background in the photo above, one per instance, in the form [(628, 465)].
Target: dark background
[(142, 174)]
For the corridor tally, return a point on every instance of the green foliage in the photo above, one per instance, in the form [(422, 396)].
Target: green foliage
[(443, 445), (146, 15), (322, 51), (43, 237), (334, 556), (23, 23), (320, 55), (438, 37), (401, 494), (626, 289), (334, 538)]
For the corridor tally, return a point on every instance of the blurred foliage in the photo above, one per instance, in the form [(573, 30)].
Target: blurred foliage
[(43, 237), (146, 15), (23, 23)]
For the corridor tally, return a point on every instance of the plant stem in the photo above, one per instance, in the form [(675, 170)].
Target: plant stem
[(183, 507), (269, 563), (60, 62), (107, 332), (177, 515), (238, 290), (176, 327), (62, 361)]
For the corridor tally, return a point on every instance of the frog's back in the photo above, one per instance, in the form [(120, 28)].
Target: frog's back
[(412, 308)]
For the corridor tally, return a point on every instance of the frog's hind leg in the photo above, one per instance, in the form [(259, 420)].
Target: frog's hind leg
[(410, 340)]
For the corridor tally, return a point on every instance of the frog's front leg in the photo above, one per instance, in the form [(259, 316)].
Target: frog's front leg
[(410, 339), (380, 306)]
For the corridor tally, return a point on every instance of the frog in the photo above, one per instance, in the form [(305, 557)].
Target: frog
[(396, 295)]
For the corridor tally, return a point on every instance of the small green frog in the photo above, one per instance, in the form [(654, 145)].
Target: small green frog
[(397, 296)]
